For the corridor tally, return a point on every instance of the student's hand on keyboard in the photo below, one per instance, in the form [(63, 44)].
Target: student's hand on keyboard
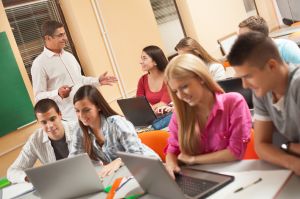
[(163, 109), (187, 159), (172, 169)]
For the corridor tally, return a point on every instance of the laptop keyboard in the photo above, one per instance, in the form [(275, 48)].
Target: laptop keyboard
[(193, 186)]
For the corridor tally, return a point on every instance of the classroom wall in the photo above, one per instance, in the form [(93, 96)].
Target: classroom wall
[(11, 144), (130, 26), (207, 22), (266, 9), (128, 31)]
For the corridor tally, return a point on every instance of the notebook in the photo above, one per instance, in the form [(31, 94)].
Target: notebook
[(155, 180), (138, 111), (66, 178)]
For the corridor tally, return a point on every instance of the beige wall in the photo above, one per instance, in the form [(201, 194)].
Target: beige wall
[(88, 41), (266, 10), (128, 31), (10, 144), (210, 22)]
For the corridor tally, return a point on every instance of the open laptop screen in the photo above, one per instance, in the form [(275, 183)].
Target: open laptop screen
[(153, 177), (66, 178), (137, 110)]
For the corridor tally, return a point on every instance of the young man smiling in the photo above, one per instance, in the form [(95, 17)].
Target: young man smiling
[(276, 87), (49, 143)]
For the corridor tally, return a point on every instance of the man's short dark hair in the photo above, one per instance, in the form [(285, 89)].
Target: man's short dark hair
[(255, 23), (45, 105), (49, 27), (253, 48)]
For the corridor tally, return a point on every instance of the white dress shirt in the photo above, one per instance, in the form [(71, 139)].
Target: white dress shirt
[(38, 147), (50, 71)]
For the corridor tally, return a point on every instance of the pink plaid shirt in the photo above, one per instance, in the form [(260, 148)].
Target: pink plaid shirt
[(228, 127)]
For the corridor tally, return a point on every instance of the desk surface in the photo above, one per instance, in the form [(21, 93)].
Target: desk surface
[(284, 31), (287, 33), (290, 189)]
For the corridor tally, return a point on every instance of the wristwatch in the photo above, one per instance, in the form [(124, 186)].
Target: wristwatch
[(285, 146)]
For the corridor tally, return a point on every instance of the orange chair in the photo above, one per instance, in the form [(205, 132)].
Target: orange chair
[(156, 140), (250, 152), (226, 64)]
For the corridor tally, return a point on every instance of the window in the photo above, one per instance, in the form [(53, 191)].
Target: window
[(250, 7), (26, 18), (169, 24)]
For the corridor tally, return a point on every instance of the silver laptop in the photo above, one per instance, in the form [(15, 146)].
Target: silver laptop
[(66, 178), (156, 181)]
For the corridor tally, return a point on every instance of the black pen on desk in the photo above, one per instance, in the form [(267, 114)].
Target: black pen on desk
[(128, 179), (249, 185)]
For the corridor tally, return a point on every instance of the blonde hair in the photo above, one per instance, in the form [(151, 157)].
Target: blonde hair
[(192, 46), (188, 66)]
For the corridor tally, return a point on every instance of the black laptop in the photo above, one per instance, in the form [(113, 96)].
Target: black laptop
[(138, 111)]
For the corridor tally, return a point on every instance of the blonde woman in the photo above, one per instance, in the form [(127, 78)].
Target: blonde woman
[(208, 125), (190, 45)]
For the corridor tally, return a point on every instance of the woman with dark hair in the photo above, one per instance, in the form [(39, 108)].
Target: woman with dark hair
[(103, 132), (151, 85)]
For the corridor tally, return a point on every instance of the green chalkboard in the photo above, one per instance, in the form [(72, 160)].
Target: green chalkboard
[(16, 109)]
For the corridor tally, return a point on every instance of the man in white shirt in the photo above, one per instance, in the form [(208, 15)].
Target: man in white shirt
[(56, 74), (47, 144)]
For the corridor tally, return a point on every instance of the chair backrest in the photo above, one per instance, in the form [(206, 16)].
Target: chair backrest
[(226, 42), (236, 85), (156, 140)]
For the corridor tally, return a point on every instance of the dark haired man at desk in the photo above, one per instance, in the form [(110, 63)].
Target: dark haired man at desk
[(47, 144), (276, 88), (56, 74)]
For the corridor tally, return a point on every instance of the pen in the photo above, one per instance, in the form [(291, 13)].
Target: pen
[(124, 183), (245, 187)]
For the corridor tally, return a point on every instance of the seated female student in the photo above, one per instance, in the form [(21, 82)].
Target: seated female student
[(189, 45), (208, 125), (103, 132), (151, 85)]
